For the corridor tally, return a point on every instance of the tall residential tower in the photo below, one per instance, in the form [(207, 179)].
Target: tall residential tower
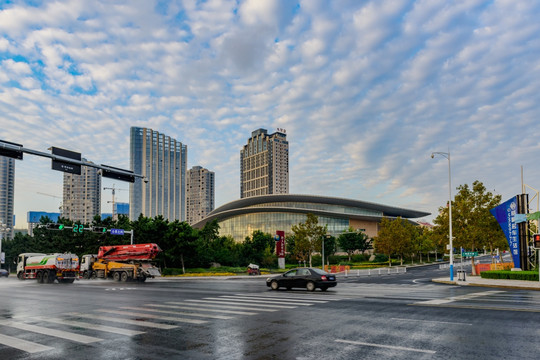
[(264, 164), (200, 193), (7, 190), (82, 195), (162, 160)]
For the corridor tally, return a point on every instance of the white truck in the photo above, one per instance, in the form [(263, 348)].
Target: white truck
[(48, 267)]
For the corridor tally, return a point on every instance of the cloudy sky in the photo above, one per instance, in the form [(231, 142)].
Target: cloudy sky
[(366, 91)]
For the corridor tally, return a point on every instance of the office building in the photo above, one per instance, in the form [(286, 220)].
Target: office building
[(199, 193), (82, 195), (7, 190), (162, 160), (264, 164)]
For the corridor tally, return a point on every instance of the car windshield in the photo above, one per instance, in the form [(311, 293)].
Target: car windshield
[(290, 273), (319, 272)]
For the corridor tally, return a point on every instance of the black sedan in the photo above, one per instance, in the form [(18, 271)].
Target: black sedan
[(4, 272), (309, 278)]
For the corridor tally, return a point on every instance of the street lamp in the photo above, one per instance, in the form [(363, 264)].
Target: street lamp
[(447, 155)]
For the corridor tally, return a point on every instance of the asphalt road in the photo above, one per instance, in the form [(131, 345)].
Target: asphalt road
[(403, 316)]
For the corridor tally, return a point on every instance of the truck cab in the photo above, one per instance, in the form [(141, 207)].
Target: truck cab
[(21, 263)]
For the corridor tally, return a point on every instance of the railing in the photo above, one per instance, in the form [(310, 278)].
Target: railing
[(376, 272)]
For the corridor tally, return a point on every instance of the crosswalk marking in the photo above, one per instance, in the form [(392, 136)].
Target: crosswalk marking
[(292, 296), (151, 316), (194, 307), (210, 316), (219, 304), (266, 301), (23, 345), (96, 327), (52, 332), (220, 301), (126, 321), (458, 298)]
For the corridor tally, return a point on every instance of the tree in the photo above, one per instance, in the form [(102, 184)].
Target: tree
[(395, 238), (472, 224), (352, 240), (308, 236)]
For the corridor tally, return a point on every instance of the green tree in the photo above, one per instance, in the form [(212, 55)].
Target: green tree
[(395, 238), (473, 226), (308, 236), (353, 240), (256, 246)]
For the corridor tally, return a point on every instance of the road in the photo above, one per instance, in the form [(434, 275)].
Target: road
[(403, 316)]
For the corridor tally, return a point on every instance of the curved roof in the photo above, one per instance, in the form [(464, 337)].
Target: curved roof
[(247, 205)]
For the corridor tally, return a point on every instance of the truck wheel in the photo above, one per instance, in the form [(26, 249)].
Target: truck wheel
[(116, 276), (124, 276), (141, 278), (45, 277), (93, 276), (20, 275), (39, 277), (85, 274)]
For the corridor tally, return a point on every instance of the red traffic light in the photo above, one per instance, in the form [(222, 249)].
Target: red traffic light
[(536, 239)]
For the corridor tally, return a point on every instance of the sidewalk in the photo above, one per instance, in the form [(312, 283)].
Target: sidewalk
[(478, 281)]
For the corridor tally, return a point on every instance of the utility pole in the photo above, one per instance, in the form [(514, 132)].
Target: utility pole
[(113, 189)]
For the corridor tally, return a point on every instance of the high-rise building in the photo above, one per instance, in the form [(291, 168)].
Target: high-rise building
[(82, 195), (162, 160), (199, 193), (264, 164), (7, 190)]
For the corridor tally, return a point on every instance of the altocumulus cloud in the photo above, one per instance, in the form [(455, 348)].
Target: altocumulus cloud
[(365, 89)]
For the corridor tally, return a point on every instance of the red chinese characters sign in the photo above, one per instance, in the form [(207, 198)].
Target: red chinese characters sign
[(280, 243)]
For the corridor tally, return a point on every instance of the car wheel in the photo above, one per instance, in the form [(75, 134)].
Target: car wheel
[(310, 286), (274, 285)]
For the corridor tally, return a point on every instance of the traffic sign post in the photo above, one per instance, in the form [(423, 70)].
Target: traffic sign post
[(469, 253)]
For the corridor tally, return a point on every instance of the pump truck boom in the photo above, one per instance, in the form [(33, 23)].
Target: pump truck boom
[(122, 263)]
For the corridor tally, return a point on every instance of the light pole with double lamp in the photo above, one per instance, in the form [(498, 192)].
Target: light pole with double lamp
[(447, 155)]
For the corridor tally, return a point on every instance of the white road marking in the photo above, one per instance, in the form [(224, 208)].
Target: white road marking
[(150, 316), (218, 304), (270, 300), (90, 326), (125, 321), (210, 316), (291, 297), (194, 307), (384, 346), (220, 301), (23, 345), (52, 332), (459, 298), (432, 321)]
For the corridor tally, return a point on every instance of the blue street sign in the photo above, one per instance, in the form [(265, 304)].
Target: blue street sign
[(117, 231)]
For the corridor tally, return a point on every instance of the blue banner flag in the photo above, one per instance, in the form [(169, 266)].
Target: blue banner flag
[(505, 215)]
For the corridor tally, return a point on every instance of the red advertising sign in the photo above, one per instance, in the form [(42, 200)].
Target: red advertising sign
[(280, 243)]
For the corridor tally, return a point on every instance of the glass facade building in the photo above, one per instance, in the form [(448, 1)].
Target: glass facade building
[(270, 213), (7, 191), (162, 161)]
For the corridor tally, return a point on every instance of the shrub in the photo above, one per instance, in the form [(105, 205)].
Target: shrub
[(380, 258), (510, 275)]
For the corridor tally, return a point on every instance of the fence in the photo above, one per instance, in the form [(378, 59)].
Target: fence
[(375, 272)]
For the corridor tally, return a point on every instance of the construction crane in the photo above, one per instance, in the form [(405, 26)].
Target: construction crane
[(113, 189), (54, 196)]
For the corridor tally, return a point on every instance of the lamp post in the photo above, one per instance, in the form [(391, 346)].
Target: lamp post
[(447, 155), (328, 237), (3, 229)]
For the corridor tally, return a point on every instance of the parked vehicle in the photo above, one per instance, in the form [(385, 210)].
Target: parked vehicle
[(309, 278), (4, 272), (121, 263), (253, 269), (46, 268)]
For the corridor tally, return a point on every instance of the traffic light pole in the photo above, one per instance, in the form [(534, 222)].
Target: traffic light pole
[(17, 149)]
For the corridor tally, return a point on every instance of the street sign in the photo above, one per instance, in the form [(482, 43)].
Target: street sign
[(117, 231), (116, 173), (63, 165), (469, 253)]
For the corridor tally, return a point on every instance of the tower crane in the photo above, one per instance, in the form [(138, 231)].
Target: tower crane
[(113, 190), (54, 196)]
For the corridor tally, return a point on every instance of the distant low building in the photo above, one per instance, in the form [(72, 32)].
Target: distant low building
[(34, 218)]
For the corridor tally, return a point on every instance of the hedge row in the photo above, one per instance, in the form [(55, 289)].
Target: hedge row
[(510, 275)]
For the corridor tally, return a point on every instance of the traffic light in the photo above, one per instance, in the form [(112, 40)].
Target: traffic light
[(536, 239), (99, 229), (55, 226)]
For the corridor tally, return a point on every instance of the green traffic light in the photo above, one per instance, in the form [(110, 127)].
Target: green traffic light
[(61, 227), (104, 229)]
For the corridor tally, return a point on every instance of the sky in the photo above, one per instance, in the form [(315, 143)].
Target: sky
[(366, 91)]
